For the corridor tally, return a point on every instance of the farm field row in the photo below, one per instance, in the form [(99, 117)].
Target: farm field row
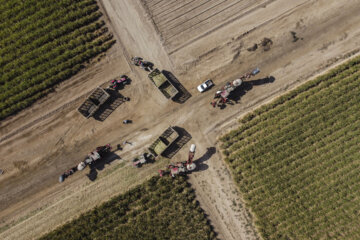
[(178, 22), (161, 208), (43, 43), (296, 160)]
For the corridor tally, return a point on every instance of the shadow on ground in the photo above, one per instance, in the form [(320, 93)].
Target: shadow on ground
[(200, 165), (183, 138), (115, 100), (246, 86), (183, 94), (100, 165)]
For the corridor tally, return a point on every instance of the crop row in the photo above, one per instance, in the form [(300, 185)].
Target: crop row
[(291, 164), (295, 160), (43, 43), (50, 61), (299, 101), (161, 208), (47, 52), (307, 117), (299, 94), (291, 140), (26, 44), (42, 17), (64, 71)]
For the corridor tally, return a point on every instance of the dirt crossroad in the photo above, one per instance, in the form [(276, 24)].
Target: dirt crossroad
[(194, 40)]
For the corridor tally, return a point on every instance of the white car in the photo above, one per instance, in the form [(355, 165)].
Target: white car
[(204, 86)]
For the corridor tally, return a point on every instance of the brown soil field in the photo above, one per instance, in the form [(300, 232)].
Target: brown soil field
[(194, 40)]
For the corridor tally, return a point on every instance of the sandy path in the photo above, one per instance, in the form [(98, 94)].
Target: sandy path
[(28, 199)]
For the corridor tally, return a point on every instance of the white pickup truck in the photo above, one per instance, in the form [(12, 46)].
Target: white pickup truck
[(204, 86)]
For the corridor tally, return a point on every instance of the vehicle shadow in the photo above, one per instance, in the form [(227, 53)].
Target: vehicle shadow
[(148, 66), (200, 165), (122, 86), (115, 100), (174, 147), (246, 86), (100, 165), (183, 94)]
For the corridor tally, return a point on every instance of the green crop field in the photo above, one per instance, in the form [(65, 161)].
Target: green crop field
[(161, 208), (43, 42), (297, 160)]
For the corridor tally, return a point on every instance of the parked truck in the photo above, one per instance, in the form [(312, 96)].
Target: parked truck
[(163, 142), (97, 98), (163, 84)]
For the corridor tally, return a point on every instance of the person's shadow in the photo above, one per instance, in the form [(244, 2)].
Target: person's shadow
[(200, 162)]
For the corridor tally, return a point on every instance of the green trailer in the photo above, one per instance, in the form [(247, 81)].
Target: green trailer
[(92, 103), (163, 84), (164, 141)]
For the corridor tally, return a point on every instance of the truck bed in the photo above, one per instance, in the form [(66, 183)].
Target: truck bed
[(163, 83)]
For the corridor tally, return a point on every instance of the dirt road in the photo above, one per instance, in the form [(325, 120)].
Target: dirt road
[(194, 40)]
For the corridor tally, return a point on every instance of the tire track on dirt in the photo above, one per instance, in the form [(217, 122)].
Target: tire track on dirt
[(183, 118), (204, 12), (232, 220), (163, 7), (141, 89), (173, 11), (42, 118), (181, 15), (181, 46), (232, 120), (118, 39)]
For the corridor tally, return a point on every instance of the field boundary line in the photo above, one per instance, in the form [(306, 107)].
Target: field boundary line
[(228, 124)]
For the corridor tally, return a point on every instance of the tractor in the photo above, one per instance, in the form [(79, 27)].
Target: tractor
[(116, 84), (138, 61), (90, 159), (181, 168), (222, 96)]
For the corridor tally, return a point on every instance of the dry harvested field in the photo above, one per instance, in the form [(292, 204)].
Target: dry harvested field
[(193, 40), (180, 23)]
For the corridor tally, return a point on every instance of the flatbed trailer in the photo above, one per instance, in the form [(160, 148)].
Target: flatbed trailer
[(92, 103)]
